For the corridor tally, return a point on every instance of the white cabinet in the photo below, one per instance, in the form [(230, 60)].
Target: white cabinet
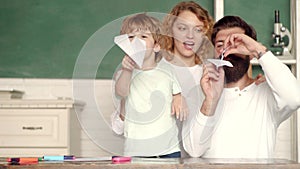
[(39, 127)]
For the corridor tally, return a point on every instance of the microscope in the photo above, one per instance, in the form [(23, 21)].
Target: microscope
[(279, 32)]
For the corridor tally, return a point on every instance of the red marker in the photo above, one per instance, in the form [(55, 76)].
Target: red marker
[(120, 159), (23, 159)]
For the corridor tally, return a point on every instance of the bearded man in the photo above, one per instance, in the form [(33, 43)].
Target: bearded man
[(244, 117)]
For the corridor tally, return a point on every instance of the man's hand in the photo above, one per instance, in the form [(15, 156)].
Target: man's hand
[(212, 84), (243, 45)]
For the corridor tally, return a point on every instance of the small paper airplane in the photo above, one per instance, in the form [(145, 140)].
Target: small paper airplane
[(219, 62), (135, 49)]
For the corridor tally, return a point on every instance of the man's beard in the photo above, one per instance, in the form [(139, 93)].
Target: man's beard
[(239, 69)]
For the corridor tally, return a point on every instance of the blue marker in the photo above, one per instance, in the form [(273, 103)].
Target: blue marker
[(69, 157)]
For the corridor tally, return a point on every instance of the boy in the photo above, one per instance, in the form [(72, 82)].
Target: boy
[(149, 127)]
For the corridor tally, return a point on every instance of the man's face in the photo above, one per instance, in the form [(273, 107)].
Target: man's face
[(240, 64)]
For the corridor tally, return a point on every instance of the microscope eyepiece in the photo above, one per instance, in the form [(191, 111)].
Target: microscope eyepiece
[(277, 16)]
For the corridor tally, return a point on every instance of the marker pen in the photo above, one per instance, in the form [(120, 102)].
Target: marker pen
[(71, 157), (23, 159), (58, 158), (120, 159), (23, 163)]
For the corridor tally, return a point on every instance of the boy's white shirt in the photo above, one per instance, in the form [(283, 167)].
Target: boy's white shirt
[(148, 113), (189, 79), (136, 50)]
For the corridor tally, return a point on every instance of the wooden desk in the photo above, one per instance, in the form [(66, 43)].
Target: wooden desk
[(189, 163)]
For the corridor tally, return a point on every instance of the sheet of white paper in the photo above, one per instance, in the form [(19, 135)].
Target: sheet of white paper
[(139, 48), (124, 43), (135, 49), (219, 62)]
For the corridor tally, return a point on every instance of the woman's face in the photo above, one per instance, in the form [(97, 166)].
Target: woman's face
[(187, 33)]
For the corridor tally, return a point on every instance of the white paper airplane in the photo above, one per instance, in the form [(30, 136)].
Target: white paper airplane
[(135, 49), (219, 62)]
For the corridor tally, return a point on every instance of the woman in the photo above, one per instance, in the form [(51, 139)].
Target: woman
[(187, 30)]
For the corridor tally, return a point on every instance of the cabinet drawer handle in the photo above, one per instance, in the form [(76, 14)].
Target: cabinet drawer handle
[(32, 128)]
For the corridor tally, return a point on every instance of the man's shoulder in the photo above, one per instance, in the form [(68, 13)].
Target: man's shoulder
[(262, 87)]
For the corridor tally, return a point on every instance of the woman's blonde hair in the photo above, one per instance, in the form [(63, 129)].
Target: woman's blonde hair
[(201, 13), (144, 22)]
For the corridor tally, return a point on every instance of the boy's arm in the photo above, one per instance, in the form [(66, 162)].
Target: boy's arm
[(117, 118), (121, 88), (123, 82), (122, 110)]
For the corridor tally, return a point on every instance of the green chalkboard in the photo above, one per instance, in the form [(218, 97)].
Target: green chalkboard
[(74, 38), (57, 38)]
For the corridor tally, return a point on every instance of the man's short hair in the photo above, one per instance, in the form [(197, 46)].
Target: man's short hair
[(231, 22)]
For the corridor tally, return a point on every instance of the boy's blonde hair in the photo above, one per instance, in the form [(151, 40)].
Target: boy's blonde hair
[(143, 22)]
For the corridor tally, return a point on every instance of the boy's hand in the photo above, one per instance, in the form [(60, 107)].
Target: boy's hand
[(128, 63), (179, 107)]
